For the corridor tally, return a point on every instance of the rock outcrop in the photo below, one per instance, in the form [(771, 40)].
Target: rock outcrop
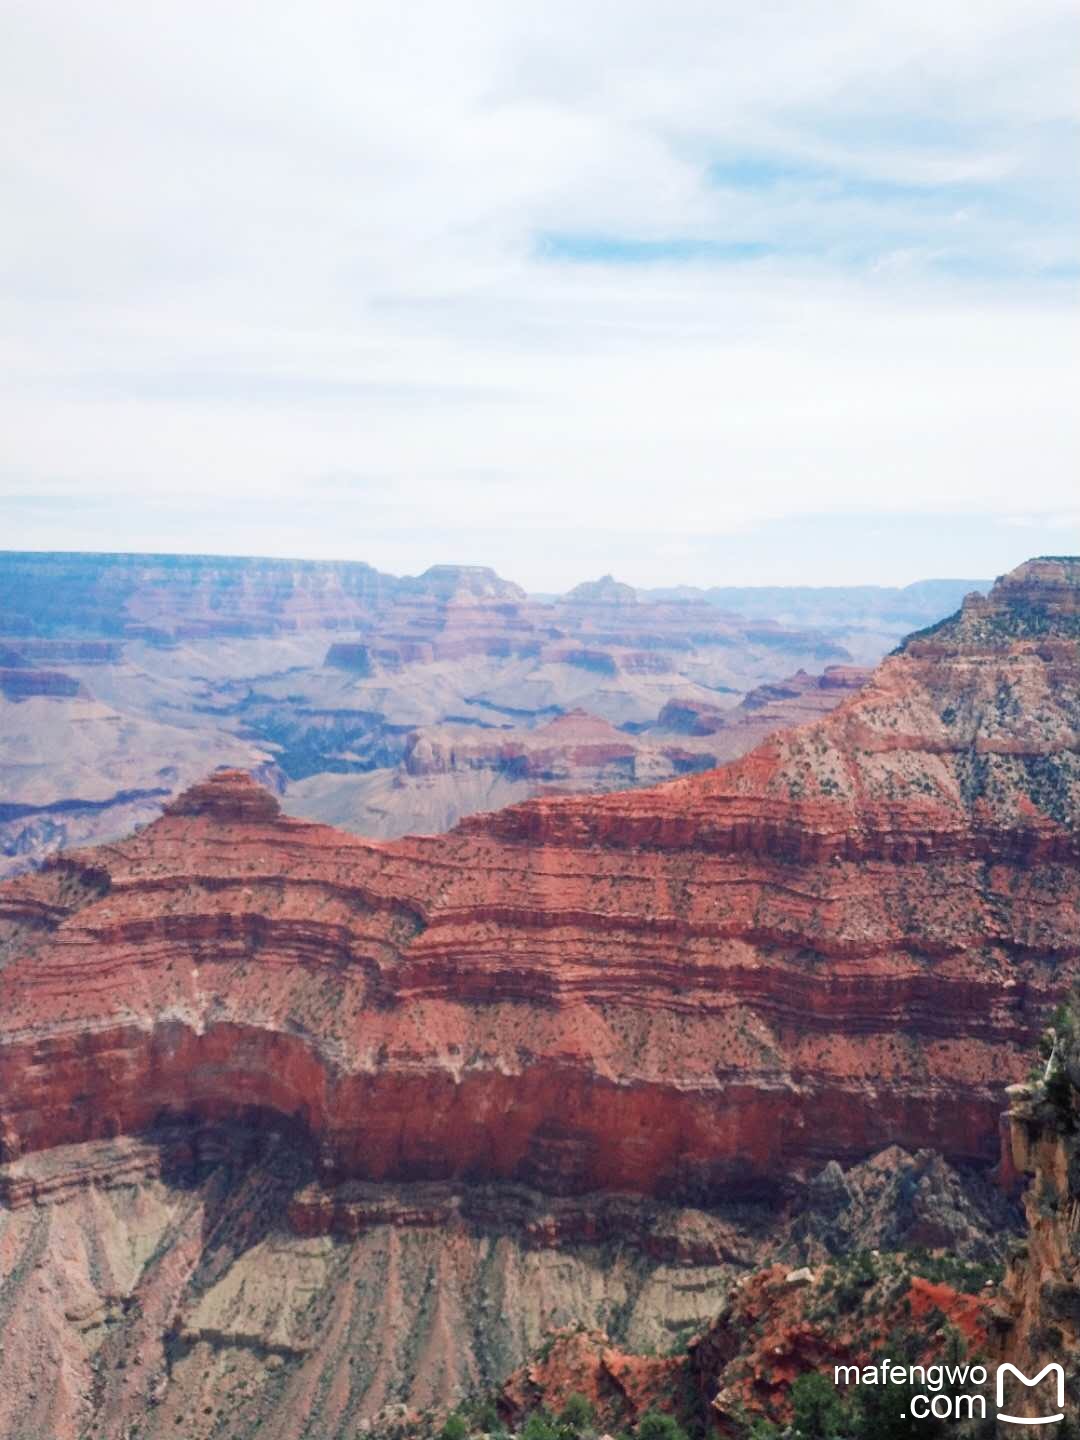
[(618, 1387), (605, 591), (780, 1324), (1038, 1317)]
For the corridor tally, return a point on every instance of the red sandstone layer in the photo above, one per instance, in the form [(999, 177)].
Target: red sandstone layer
[(844, 940)]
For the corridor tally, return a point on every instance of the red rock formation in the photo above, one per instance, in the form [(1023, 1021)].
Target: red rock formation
[(564, 748), (230, 797), (780, 1324), (69, 1169), (451, 770), (619, 1387), (664, 1233), (794, 701), (846, 939)]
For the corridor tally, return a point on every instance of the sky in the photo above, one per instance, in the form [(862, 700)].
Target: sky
[(702, 293)]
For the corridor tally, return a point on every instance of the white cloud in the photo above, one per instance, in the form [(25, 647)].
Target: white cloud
[(254, 246)]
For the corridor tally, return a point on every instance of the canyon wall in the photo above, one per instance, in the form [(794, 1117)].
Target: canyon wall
[(299, 1128), (846, 939), (125, 678)]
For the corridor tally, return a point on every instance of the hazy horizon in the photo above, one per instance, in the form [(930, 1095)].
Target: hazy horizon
[(765, 558), (773, 294)]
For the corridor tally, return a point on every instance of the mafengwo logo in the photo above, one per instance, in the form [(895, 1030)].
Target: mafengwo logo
[(942, 1397), (1053, 1370)]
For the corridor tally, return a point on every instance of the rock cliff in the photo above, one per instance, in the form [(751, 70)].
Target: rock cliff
[(1038, 1317), (846, 939), (199, 1280)]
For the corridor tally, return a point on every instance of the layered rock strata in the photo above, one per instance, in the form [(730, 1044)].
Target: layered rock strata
[(795, 700), (847, 939), (454, 769), (199, 1281), (197, 661)]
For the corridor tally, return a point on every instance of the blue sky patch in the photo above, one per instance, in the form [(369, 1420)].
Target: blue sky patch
[(588, 248)]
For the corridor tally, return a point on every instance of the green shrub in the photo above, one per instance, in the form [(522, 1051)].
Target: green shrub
[(540, 1426), (654, 1425), (818, 1409), (485, 1418), (577, 1414), (763, 1429), (883, 1412)]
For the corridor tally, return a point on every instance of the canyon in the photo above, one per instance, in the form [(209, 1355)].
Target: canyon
[(386, 705), (347, 1122)]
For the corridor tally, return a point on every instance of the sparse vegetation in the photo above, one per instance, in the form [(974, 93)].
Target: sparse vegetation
[(654, 1425), (577, 1414), (969, 1276)]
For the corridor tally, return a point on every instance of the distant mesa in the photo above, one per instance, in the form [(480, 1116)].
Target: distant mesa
[(475, 582), (351, 656), (844, 677), (692, 717), (605, 591), (578, 724), (833, 677)]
